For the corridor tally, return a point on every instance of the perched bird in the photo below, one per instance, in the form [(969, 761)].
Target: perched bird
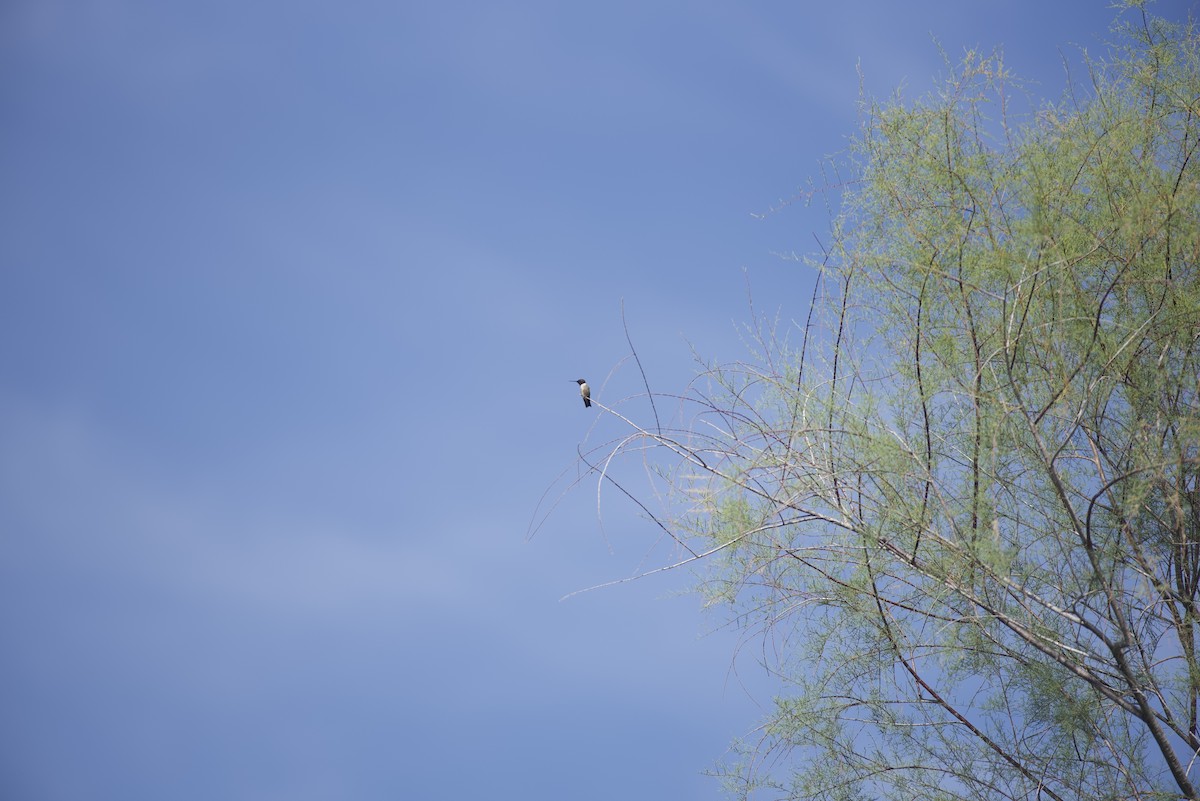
[(585, 391)]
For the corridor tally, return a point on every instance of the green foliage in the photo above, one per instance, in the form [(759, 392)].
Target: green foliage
[(968, 511)]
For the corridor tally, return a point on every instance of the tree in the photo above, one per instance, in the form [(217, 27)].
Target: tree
[(965, 510)]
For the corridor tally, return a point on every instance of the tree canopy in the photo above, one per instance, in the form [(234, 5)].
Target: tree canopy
[(961, 500)]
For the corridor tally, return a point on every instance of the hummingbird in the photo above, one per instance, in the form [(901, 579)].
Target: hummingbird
[(585, 391)]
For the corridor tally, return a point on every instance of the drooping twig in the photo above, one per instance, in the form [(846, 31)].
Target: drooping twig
[(633, 350)]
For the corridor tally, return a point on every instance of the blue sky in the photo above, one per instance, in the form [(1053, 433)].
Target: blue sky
[(292, 296)]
